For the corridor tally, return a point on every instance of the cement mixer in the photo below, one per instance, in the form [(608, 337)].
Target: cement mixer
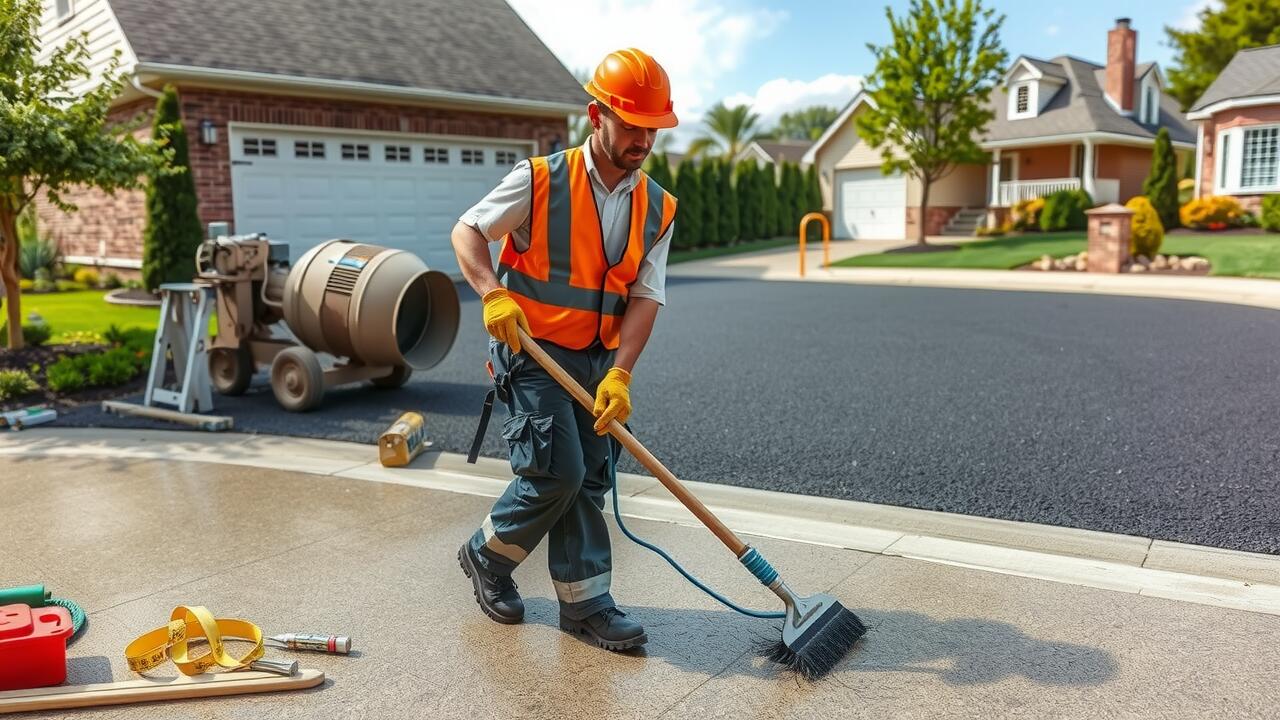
[(381, 313)]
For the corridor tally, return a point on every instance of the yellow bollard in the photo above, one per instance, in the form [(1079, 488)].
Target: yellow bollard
[(826, 238)]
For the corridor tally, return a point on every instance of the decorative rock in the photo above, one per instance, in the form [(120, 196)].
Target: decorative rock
[(1138, 268), (1045, 263), (1144, 261), (1081, 265)]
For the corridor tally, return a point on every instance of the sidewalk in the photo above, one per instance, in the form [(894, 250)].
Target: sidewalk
[(783, 264), (302, 535)]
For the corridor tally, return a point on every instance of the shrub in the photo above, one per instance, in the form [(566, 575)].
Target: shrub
[(689, 212), (43, 274), (1148, 231), (137, 284), (35, 256), (42, 285), (64, 376), (14, 383), (87, 276), (1211, 211), (1161, 185), (25, 285), (1064, 210), (65, 271), (110, 368), (984, 231), (173, 231), (1270, 217), (69, 285), (111, 281), (1025, 214), (36, 334)]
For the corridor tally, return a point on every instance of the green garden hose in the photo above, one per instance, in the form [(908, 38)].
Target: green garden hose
[(36, 596)]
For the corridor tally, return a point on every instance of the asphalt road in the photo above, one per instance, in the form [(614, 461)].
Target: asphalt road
[(1147, 417)]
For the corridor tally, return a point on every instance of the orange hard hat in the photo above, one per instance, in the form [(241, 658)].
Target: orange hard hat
[(633, 85)]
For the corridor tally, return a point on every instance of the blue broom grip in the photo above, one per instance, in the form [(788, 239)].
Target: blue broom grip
[(758, 566)]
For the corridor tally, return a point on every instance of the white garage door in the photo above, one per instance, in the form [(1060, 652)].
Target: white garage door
[(870, 205), (403, 192)]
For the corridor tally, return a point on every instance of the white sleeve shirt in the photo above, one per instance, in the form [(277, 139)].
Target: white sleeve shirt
[(506, 210)]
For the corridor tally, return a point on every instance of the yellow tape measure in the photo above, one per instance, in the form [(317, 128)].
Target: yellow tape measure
[(151, 649)]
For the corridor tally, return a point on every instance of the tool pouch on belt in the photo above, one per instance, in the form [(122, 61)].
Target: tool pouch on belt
[(501, 390)]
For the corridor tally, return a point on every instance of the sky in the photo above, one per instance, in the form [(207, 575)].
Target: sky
[(780, 56)]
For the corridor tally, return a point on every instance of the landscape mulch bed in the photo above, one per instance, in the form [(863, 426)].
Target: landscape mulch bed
[(44, 356)]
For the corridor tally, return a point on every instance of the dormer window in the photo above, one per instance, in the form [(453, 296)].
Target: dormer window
[(1024, 100), (1153, 105)]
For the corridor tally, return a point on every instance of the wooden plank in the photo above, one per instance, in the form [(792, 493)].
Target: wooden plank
[(204, 422), (147, 690)]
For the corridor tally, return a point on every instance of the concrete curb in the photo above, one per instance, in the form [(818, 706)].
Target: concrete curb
[(1204, 575)]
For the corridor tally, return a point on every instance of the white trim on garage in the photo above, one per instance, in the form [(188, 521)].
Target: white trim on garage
[(368, 193), (869, 204)]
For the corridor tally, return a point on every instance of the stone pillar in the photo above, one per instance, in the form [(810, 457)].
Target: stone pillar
[(1109, 228)]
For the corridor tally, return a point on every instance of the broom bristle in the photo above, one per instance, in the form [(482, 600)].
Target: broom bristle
[(822, 651)]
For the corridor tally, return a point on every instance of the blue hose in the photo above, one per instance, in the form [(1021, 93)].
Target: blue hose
[(617, 515)]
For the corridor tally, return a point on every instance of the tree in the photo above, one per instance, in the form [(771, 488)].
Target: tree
[(729, 216), (660, 170), (766, 202), (689, 210), (709, 182), (812, 190), (1161, 185), (1226, 27), (930, 88), (729, 130), (745, 188), (805, 124), (50, 139), (173, 232)]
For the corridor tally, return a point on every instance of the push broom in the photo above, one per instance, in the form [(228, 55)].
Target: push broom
[(817, 631)]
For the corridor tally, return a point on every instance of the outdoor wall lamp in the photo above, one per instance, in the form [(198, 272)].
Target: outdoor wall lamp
[(208, 132)]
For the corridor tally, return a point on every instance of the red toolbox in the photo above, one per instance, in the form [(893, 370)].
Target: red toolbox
[(33, 646)]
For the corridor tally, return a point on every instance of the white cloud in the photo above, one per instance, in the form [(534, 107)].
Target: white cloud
[(781, 95), (1190, 18), (1052, 30), (696, 41)]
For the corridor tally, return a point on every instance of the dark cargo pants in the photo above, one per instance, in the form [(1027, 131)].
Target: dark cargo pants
[(561, 478)]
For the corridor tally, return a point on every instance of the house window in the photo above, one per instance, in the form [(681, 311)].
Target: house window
[(64, 9), (472, 157), (1258, 165), (1224, 150), (396, 153), (436, 155), (308, 149), (259, 147), (355, 151), (504, 157), (1024, 99), (1153, 106)]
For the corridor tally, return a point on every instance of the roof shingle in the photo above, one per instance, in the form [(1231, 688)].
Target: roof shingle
[(478, 47), (1250, 73)]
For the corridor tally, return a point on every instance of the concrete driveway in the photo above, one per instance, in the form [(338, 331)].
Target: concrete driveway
[(131, 538)]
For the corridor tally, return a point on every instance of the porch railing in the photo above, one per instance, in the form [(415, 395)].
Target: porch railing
[(1018, 190)]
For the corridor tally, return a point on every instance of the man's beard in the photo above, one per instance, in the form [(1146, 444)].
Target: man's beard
[(619, 158)]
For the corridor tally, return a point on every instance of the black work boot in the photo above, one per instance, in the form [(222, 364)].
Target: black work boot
[(496, 594), (609, 629)]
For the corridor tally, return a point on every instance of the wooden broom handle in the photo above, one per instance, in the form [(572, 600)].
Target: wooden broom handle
[(641, 453)]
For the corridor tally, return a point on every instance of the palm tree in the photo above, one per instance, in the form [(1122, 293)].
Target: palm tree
[(729, 131)]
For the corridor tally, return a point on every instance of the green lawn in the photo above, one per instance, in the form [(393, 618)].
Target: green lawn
[(85, 311), (1238, 255), (1230, 255), (995, 254)]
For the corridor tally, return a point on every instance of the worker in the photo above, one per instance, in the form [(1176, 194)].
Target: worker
[(585, 235)]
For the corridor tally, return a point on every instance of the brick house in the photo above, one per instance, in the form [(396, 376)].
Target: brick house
[(1238, 129), (380, 121), (1059, 124)]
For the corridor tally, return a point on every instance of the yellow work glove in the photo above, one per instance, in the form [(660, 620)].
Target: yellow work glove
[(501, 317), (613, 399)]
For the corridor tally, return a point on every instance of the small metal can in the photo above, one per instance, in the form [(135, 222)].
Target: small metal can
[(403, 441)]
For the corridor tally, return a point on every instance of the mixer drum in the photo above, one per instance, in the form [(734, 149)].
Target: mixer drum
[(372, 304)]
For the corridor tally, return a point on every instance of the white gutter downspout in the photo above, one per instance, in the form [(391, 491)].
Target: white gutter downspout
[(137, 85), (1199, 157)]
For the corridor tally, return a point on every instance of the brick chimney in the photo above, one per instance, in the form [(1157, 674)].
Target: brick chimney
[(1122, 48)]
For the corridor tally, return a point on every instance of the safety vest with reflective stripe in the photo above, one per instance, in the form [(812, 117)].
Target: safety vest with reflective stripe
[(563, 282)]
